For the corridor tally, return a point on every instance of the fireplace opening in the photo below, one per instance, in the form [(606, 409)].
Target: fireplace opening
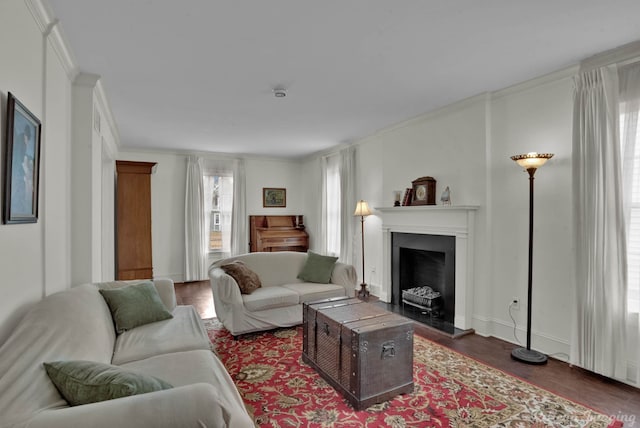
[(419, 261), (422, 282)]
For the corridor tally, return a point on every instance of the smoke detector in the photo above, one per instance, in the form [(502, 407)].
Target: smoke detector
[(279, 92)]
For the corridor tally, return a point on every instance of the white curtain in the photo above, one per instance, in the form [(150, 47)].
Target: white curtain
[(239, 237), (629, 77), (195, 232), (601, 280), (322, 246), (331, 205), (348, 203)]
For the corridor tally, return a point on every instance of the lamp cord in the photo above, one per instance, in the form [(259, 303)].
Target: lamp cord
[(558, 355), (514, 324)]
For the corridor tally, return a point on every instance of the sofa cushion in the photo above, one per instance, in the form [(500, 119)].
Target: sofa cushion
[(183, 332), (185, 368), (84, 382), (270, 297), (192, 367), (317, 268), (309, 291), (247, 280), (135, 305)]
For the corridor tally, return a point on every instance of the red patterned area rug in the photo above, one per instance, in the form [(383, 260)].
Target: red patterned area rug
[(450, 390)]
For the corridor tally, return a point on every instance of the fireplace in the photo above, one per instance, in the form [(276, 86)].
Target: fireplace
[(449, 232), (422, 260)]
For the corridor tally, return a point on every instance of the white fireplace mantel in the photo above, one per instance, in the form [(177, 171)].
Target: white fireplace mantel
[(448, 220)]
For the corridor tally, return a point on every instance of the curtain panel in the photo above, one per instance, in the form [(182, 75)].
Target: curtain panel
[(629, 82), (239, 234), (322, 241), (599, 330), (195, 235), (348, 203), (331, 206)]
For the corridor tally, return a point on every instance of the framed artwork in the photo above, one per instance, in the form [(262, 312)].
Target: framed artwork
[(274, 197), (22, 164)]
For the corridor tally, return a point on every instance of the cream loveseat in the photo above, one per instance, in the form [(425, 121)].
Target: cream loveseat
[(77, 324), (278, 302)]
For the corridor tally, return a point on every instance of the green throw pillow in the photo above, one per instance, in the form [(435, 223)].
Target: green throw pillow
[(84, 382), (317, 268), (135, 305)]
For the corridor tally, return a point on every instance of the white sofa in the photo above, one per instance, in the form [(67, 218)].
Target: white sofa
[(278, 303), (76, 324)]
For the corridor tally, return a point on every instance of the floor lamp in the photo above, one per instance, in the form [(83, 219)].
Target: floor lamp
[(362, 210), (530, 162)]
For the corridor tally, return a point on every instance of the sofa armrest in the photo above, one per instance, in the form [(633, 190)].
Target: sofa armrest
[(345, 275), (196, 405), (167, 291), (224, 287)]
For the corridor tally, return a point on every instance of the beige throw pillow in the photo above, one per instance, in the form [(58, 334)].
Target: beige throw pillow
[(247, 280)]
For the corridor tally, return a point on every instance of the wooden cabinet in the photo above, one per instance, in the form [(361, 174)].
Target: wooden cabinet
[(133, 220)]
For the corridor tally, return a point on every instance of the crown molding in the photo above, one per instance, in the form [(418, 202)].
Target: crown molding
[(63, 52), (622, 54), (448, 109), (107, 113), (51, 30), (536, 81), (208, 155), (87, 80), (41, 14)]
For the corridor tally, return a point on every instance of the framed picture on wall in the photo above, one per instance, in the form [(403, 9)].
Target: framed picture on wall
[(22, 162), (274, 197)]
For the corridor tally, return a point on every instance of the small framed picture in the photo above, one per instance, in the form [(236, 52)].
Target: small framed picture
[(22, 161), (274, 197)]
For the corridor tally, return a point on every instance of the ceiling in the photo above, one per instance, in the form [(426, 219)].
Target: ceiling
[(198, 75)]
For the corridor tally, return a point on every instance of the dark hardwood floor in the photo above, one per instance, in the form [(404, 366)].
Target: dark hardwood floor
[(605, 395)]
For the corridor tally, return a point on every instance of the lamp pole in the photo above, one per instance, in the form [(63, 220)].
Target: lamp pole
[(531, 172), (531, 162), (362, 210), (363, 293)]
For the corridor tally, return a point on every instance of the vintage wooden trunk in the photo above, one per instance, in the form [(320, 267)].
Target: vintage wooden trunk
[(362, 350)]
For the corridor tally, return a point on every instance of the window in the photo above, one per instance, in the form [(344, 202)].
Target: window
[(630, 134), (218, 190)]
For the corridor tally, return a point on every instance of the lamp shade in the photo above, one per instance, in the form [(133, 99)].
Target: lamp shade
[(532, 160), (362, 209)]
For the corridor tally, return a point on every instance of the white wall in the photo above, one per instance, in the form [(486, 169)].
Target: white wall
[(34, 257), (538, 119), (467, 146), (56, 176), (168, 193), (274, 173)]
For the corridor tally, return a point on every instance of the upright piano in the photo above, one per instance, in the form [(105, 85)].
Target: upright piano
[(277, 233)]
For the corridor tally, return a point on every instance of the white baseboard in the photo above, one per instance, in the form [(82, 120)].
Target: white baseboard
[(552, 346)]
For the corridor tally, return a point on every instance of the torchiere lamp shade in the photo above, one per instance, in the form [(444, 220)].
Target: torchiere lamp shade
[(532, 160)]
